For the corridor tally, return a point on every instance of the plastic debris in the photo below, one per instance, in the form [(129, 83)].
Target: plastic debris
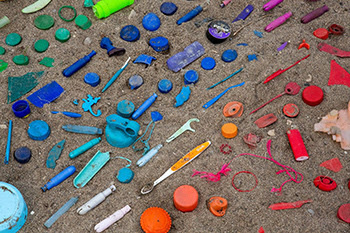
[(165, 86), (336, 29), (47, 61), (218, 31), (83, 22), (183, 96), (92, 79), (333, 50), (41, 45), (244, 190), (104, 224), (105, 8), (46, 94), (13, 39), (87, 146), (44, 22), (190, 15), (155, 218), (252, 57), (21, 109), (107, 44), (297, 144), (159, 44), (87, 105), (88, 3), (4, 21), (36, 6), (251, 140), (278, 22), (82, 129), (147, 157), (191, 77), (125, 108), (304, 45), (22, 155), (288, 205), (62, 35), (78, 65), (130, 33), (2, 50), (225, 149), (38, 130), (168, 8), (203, 21), (60, 212), (279, 49), (325, 183), (69, 114), (144, 106), (244, 14), (229, 130), (145, 59), (312, 95), (271, 4), (208, 63), (67, 8), (332, 164), (55, 154), (258, 34), (125, 175), (321, 33), (266, 120), (224, 3), (185, 127), (242, 44), (229, 55), (338, 75), (21, 60), (151, 22), (217, 206), (344, 213), (261, 230), (8, 144), (185, 198), (3, 65), (314, 14), (116, 75), (76, 102), (59, 178)]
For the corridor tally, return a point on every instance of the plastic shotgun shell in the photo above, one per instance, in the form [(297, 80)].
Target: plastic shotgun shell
[(297, 144)]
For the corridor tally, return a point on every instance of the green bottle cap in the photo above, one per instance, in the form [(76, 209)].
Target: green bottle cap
[(83, 22), (2, 50), (13, 39), (21, 60), (44, 22), (62, 35), (41, 45)]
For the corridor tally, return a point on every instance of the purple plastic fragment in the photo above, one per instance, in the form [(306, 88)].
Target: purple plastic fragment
[(314, 14), (282, 46), (244, 14), (46, 94), (184, 58), (277, 22), (145, 59), (271, 4)]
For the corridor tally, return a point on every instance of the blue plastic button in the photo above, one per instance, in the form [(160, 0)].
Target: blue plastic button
[(125, 108), (165, 86), (125, 175), (151, 22), (92, 79), (130, 33), (22, 154), (168, 8), (135, 82), (208, 63), (38, 130), (229, 55), (159, 44), (191, 77), (21, 108)]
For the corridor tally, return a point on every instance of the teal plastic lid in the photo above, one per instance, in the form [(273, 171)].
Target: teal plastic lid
[(41, 45), (21, 60), (44, 22), (83, 22), (62, 35), (39, 130), (13, 39), (2, 50)]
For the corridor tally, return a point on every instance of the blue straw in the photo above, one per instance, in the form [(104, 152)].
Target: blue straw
[(236, 72), (8, 146)]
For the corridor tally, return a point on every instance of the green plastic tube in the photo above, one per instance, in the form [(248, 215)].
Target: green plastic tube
[(105, 8)]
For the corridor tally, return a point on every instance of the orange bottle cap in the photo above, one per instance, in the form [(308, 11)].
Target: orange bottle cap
[(185, 198), (155, 220), (217, 206), (229, 130), (233, 109)]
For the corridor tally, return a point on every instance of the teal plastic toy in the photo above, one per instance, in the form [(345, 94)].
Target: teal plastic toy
[(121, 132)]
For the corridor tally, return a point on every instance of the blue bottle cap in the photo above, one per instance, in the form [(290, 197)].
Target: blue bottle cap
[(168, 8), (21, 108), (92, 79), (159, 44), (130, 33), (165, 86), (38, 130), (135, 82), (125, 108), (229, 55), (125, 175), (151, 22), (191, 77), (22, 154), (208, 63)]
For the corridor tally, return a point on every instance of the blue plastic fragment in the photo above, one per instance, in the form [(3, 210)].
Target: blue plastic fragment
[(145, 59), (242, 44), (69, 114), (76, 101), (151, 22), (82, 129), (252, 57), (55, 154), (191, 77), (92, 79), (244, 14), (130, 33), (190, 15), (125, 175), (282, 46), (39, 130), (125, 108), (8, 144), (184, 58), (59, 178), (229, 55), (258, 34), (183, 96), (46, 94), (159, 44), (144, 106), (168, 8), (208, 63), (165, 86), (88, 104), (156, 116), (60, 212), (135, 82)]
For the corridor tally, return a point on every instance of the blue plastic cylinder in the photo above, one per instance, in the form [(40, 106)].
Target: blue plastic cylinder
[(92, 79), (21, 109), (144, 106), (191, 77), (59, 178), (165, 86), (125, 108), (78, 65)]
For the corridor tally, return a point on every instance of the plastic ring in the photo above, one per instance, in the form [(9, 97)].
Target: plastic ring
[(336, 29), (224, 150), (67, 20), (240, 190)]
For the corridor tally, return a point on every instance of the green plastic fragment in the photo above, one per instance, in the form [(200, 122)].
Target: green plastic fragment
[(62, 35), (2, 50), (88, 3), (21, 60), (47, 61), (19, 86), (3, 65), (83, 22), (13, 39), (41, 45), (44, 22)]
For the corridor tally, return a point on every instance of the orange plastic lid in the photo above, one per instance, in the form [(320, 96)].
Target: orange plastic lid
[(155, 220), (233, 109), (217, 206), (185, 198), (229, 130)]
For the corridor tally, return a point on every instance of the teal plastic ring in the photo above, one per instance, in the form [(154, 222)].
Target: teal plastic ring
[(69, 7)]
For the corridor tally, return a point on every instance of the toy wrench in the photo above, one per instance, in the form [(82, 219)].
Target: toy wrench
[(185, 127)]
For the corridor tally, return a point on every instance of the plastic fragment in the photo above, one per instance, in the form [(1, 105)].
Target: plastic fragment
[(4, 21), (107, 44), (60, 212), (47, 61), (279, 49), (271, 4), (251, 140), (36, 6), (314, 14), (297, 144), (159, 44), (190, 15), (261, 230), (217, 206), (233, 109), (3, 65), (244, 14), (332, 164), (82, 129), (104, 224), (59, 178), (168, 8), (224, 150), (55, 154), (13, 39), (230, 76), (266, 120), (144, 106), (321, 33), (69, 114), (333, 50), (288, 205), (151, 22), (21, 60), (224, 3), (218, 31), (252, 57), (83, 22), (44, 22), (258, 34), (242, 44), (88, 3), (46, 94), (147, 157), (336, 29), (8, 143), (344, 213), (2, 50), (304, 45), (130, 33), (145, 59), (338, 75), (325, 183), (183, 96), (87, 105), (116, 75)]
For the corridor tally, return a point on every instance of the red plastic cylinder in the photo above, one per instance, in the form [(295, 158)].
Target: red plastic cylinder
[(297, 145)]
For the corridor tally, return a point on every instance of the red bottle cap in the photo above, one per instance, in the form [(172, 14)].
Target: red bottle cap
[(321, 33), (291, 110), (312, 95), (344, 213), (185, 198), (325, 183)]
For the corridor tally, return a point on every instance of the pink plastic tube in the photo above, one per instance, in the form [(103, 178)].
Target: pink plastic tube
[(271, 4), (277, 22)]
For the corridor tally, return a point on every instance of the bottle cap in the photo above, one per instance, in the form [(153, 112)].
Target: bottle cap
[(321, 33), (151, 22), (44, 22), (125, 108), (229, 55), (191, 77), (344, 213), (165, 86), (41, 45), (185, 198), (92, 79), (208, 63), (135, 82), (21, 108), (168, 8), (83, 22), (2, 50), (233, 109), (13, 39), (21, 60), (22, 155), (218, 31), (217, 206), (62, 35), (312, 95), (291, 110), (229, 130), (38, 130), (125, 175), (130, 33), (155, 220), (159, 44), (325, 183)]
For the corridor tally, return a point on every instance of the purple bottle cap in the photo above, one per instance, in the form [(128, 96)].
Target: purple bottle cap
[(218, 31)]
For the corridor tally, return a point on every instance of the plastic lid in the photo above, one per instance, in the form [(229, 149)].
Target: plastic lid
[(62, 35), (125, 175), (159, 44), (135, 82), (130, 33), (344, 213), (291, 110), (151, 22), (44, 22), (41, 45), (185, 198), (208, 63), (92, 79), (233, 109), (191, 77), (22, 154), (155, 220), (321, 33), (229, 55), (165, 86), (21, 108), (312, 95), (217, 206), (21, 60), (2, 50), (168, 8), (13, 39), (83, 22), (38, 130), (229, 130), (125, 108)]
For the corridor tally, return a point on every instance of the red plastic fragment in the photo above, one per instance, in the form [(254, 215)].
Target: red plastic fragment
[(344, 213), (288, 205), (251, 140), (297, 145), (304, 45), (333, 50), (266, 120), (338, 75), (261, 230), (325, 183), (224, 150), (332, 164)]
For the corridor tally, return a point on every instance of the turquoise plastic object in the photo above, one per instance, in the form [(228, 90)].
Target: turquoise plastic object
[(121, 132), (39, 130), (125, 108), (183, 96), (61, 211), (125, 175), (91, 168), (13, 209), (55, 154), (87, 146)]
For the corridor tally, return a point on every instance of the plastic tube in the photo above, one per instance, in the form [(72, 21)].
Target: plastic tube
[(144, 106), (144, 159), (59, 178), (60, 212), (105, 8), (83, 148), (104, 224), (4, 21)]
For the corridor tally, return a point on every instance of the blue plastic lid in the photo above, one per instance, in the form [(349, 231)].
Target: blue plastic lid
[(21, 108), (159, 44), (151, 22), (22, 154), (125, 175), (229, 55), (191, 77), (92, 79), (208, 63), (135, 82), (165, 86), (168, 8), (38, 130), (125, 108), (130, 33)]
